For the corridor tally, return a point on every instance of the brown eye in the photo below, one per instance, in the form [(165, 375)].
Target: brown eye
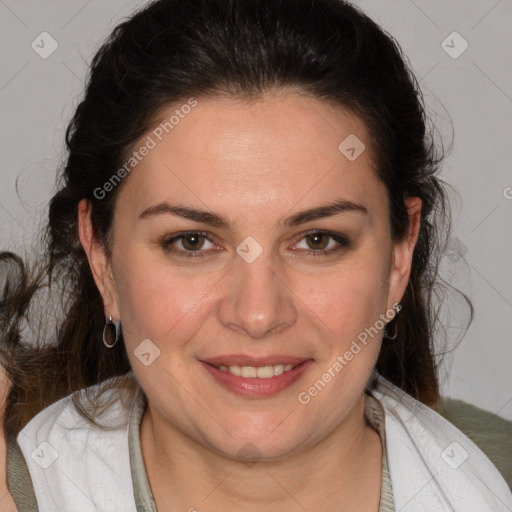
[(193, 241), (192, 244), (318, 240), (323, 243)]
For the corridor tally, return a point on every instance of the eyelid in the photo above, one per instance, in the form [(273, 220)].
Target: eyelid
[(341, 239), (332, 234), (168, 241)]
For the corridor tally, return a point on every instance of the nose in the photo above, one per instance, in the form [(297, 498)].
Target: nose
[(258, 302)]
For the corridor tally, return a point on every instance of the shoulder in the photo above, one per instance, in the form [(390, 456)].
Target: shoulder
[(62, 421), (490, 432), (432, 462), (73, 461)]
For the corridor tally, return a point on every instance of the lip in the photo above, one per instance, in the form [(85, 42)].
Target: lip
[(255, 387), (247, 360)]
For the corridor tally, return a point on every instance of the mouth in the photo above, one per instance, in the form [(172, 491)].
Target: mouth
[(257, 372), (256, 378)]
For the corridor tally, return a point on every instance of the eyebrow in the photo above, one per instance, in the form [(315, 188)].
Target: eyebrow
[(213, 219)]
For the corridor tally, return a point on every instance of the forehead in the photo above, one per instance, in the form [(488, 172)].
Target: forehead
[(278, 149)]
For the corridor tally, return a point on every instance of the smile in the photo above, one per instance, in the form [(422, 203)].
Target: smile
[(256, 381), (259, 372)]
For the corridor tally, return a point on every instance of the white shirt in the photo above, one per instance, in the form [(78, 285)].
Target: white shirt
[(434, 467)]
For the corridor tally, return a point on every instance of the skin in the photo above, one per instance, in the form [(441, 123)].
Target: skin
[(254, 163)]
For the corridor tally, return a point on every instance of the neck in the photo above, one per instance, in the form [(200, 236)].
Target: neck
[(344, 469)]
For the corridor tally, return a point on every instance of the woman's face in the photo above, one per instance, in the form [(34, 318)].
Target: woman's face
[(256, 290)]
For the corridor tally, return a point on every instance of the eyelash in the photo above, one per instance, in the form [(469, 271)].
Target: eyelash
[(166, 244)]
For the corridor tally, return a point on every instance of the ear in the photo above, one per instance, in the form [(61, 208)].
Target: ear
[(403, 251), (100, 265)]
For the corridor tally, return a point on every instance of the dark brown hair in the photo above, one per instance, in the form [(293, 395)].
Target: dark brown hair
[(174, 50)]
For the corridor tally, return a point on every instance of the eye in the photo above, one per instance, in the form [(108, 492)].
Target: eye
[(324, 242), (192, 242)]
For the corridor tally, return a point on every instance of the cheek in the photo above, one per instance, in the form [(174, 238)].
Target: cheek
[(162, 303), (155, 302), (350, 297), (350, 304)]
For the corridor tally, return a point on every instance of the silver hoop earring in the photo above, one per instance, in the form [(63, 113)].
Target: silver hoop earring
[(387, 336), (397, 308), (117, 327)]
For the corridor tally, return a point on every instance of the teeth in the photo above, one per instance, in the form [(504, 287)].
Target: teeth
[(248, 371), (260, 372), (278, 369)]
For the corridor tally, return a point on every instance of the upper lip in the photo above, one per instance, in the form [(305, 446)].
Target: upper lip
[(247, 360)]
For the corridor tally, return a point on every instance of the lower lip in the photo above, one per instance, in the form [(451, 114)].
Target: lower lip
[(254, 387)]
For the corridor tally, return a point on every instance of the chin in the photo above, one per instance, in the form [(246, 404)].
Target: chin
[(268, 443)]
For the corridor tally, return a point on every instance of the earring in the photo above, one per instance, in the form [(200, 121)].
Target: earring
[(396, 308), (117, 326)]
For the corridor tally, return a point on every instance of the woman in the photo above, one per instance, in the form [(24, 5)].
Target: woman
[(246, 243)]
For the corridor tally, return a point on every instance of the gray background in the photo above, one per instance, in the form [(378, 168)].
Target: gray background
[(473, 92)]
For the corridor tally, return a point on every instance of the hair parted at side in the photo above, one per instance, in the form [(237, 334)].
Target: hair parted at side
[(171, 51)]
